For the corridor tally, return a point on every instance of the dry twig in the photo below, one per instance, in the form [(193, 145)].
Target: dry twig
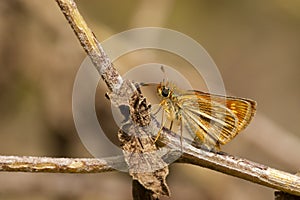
[(53, 165), (123, 91), (224, 163)]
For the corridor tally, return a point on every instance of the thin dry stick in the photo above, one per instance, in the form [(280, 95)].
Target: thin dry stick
[(224, 163), (53, 165), (91, 45), (115, 83), (234, 166), (227, 164)]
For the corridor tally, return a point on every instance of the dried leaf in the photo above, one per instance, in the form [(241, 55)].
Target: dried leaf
[(144, 159)]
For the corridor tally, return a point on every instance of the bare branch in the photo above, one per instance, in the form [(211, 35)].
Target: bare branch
[(53, 165), (91, 45), (227, 164), (234, 166), (150, 181)]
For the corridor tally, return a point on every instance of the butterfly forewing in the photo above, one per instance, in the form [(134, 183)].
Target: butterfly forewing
[(217, 119), (242, 108), (215, 123)]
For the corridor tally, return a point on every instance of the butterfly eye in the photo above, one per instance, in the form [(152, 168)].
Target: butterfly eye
[(165, 92)]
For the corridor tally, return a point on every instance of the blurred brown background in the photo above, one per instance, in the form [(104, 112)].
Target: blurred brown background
[(255, 44)]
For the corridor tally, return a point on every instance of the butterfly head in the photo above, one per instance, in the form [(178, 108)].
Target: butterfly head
[(163, 91), (166, 90)]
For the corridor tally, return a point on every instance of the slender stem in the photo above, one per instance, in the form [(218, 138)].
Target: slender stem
[(91, 45), (234, 166), (99, 58), (227, 164), (53, 165)]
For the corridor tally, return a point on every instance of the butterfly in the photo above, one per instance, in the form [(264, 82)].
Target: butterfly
[(214, 120)]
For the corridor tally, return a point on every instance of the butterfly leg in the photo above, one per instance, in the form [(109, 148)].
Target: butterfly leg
[(181, 136), (159, 108), (171, 125), (161, 127)]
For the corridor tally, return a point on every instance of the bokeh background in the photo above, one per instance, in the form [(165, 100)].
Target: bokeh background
[(255, 44)]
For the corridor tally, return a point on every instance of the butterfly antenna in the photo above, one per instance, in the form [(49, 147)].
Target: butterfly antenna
[(165, 79)]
